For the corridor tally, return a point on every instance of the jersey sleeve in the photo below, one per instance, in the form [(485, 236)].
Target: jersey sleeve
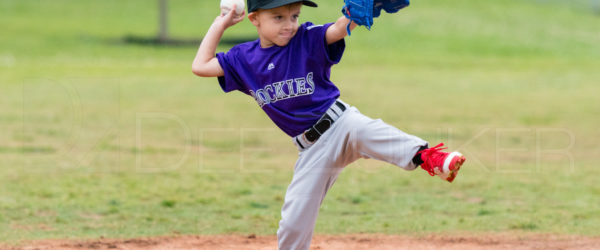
[(317, 37), (230, 63)]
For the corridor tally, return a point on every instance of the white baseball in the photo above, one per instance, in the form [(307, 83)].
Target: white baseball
[(227, 5)]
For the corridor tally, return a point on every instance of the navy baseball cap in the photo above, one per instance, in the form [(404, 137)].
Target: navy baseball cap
[(254, 5)]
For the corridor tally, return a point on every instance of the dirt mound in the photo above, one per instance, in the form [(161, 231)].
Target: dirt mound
[(345, 242)]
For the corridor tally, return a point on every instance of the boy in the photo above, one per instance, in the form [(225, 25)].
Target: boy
[(287, 72)]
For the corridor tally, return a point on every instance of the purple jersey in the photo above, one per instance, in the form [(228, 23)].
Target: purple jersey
[(291, 83)]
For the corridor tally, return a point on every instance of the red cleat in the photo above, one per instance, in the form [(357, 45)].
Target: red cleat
[(445, 165)]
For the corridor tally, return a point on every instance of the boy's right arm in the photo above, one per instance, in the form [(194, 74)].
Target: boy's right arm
[(206, 64)]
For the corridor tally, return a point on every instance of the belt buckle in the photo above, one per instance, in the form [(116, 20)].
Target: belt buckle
[(305, 139)]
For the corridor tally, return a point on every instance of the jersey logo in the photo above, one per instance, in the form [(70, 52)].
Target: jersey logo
[(271, 66), (286, 89)]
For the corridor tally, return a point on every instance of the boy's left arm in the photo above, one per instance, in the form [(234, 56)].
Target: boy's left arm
[(337, 31)]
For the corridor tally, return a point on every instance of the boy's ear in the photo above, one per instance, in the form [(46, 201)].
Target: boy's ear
[(253, 17)]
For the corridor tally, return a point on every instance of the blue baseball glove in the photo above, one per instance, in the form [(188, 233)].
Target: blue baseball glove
[(362, 12)]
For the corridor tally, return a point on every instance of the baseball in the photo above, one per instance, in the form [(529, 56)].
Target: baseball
[(227, 5)]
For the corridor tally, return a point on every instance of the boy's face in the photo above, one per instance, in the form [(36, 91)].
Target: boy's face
[(276, 26)]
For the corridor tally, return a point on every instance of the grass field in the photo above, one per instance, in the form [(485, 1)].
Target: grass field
[(106, 138)]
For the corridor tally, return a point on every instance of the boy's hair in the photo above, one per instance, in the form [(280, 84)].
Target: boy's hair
[(254, 5)]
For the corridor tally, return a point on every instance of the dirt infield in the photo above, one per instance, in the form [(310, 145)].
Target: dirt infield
[(346, 242)]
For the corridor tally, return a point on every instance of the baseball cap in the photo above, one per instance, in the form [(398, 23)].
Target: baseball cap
[(254, 5)]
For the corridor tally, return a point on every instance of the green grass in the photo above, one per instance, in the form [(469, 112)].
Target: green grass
[(105, 138)]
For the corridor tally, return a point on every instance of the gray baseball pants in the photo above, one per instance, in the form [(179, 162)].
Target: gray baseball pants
[(351, 137)]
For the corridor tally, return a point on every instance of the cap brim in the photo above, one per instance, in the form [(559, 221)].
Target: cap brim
[(276, 4)]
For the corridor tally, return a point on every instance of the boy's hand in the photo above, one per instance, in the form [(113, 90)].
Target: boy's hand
[(230, 19)]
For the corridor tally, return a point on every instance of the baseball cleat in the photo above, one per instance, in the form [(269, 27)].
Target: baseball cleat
[(445, 165)]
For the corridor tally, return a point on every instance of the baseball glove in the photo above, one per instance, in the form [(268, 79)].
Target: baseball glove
[(362, 12)]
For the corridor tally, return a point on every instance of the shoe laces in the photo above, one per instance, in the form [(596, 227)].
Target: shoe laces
[(431, 156)]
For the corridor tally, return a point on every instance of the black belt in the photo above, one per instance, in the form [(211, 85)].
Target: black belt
[(321, 126)]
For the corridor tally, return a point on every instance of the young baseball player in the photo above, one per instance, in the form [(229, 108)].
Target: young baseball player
[(287, 72)]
